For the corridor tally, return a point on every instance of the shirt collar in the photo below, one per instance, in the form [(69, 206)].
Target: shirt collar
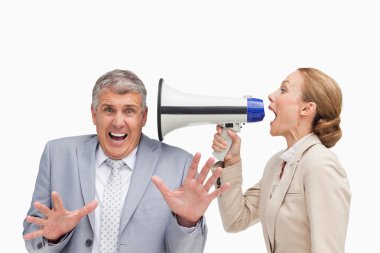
[(289, 153), (130, 159)]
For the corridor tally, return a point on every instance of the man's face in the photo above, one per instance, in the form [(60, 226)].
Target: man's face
[(119, 120)]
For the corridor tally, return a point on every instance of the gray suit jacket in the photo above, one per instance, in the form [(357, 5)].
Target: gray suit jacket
[(147, 225)]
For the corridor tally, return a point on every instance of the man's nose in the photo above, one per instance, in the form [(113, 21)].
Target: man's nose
[(119, 120)]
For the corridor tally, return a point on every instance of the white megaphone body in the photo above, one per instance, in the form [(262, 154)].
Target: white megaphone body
[(176, 109)]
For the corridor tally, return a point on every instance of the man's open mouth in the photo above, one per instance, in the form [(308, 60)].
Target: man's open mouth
[(118, 136)]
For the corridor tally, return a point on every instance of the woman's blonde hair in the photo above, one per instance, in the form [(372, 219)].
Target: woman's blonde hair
[(326, 94)]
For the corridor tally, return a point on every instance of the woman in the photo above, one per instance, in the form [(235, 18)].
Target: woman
[(303, 197)]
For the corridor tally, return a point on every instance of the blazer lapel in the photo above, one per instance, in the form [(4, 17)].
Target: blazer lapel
[(275, 202), (277, 198), (86, 169), (146, 159)]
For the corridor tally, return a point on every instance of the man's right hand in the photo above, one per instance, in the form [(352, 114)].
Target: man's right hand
[(57, 221), (219, 144)]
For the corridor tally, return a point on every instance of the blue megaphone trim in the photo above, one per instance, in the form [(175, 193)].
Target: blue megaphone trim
[(255, 110)]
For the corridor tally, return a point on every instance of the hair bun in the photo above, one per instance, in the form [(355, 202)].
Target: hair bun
[(328, 131)]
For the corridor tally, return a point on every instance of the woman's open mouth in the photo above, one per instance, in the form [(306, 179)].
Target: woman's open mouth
[(273, 115)]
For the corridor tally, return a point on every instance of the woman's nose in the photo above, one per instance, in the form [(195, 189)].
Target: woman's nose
[(271, 97)]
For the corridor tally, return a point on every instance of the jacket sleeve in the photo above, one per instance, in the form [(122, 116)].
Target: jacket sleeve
[(327, 197), (42, 193), (178, 240), (238, 211)]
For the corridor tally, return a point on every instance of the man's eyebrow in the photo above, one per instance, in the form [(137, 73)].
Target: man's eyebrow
[(130, 105), (126, 105)]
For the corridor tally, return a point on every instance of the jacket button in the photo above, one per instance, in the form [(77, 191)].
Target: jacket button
[(39, 245), (88, 242)]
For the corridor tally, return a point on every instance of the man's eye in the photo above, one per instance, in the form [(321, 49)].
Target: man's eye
[(130, 110), (108, 109)]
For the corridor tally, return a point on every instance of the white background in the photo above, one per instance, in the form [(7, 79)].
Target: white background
[(51, 54)]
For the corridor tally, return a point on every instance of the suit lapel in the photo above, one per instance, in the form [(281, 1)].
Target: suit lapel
[(277, 199), (86, 169), (146, 159)]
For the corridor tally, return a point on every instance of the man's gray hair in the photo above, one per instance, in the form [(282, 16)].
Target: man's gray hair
[(119, 81)]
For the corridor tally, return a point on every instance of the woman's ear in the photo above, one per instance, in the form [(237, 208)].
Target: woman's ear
[(308, 109)]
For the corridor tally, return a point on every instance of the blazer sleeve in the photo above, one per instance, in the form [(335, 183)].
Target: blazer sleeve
[(238, 211), (178, 240), (327, 197), (42, 194)]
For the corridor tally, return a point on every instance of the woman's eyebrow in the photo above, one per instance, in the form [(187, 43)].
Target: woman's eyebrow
[(285, 81)]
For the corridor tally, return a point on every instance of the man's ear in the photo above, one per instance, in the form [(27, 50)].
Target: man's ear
[(93, 114), (308, 109), (145, 116)]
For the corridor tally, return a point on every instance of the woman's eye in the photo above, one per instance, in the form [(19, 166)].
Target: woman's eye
[(283, 90)]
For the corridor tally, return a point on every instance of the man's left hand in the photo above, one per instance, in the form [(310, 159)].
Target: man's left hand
[(192, 199)]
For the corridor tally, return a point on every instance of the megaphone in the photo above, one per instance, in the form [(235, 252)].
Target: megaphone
[(176, 109)]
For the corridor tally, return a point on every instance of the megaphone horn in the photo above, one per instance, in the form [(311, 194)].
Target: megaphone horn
[(176, 109)]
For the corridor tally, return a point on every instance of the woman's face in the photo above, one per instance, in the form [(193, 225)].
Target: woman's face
[(286, 103)]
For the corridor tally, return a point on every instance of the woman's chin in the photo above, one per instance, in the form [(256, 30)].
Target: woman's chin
[(273, 132)]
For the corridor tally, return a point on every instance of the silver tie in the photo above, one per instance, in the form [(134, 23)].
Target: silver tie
[(110, 214)]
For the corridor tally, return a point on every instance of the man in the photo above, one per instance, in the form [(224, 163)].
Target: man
[(94, 193)]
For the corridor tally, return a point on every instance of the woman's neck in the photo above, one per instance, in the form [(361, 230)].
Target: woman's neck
[(295, 136)]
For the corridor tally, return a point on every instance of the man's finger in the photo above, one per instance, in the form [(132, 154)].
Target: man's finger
[(211, 181), (88, 208), (219, 191), (36, 220), (160, 185), (34, 234), (42, 208), (206, 168), (194, 166), (57, 201)]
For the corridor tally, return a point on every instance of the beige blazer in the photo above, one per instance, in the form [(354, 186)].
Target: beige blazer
[(308, 211)]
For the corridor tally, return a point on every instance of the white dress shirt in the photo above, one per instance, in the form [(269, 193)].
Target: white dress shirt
[(101, 177), (102, 173)]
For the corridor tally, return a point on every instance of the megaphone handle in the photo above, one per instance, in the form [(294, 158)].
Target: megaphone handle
[(220, 155)]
